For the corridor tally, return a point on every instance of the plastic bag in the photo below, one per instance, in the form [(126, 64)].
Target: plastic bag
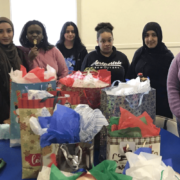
[(63, 127), (4, 131), (91, 122), (133, 86), (36, 75), (129, 120)]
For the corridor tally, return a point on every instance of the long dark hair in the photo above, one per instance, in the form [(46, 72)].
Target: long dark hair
[(77, 40), (44, 44)]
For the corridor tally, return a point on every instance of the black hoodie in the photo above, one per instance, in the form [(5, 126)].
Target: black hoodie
[(117, 63), (74, 55), (154, 63)]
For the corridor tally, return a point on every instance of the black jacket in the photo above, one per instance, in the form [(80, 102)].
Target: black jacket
[(155, 66), (117, 63), (80, 53)]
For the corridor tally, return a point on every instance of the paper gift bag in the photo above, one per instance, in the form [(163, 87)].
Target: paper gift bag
[(69, 157), (14, 109), (136, 104), (72, 157), (117, 147), (30, 143)]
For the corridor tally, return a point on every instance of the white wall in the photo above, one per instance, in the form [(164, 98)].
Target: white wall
[(128, 18)]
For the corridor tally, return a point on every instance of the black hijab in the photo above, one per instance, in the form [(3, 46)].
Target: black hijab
[(159, 50), (8, 59)]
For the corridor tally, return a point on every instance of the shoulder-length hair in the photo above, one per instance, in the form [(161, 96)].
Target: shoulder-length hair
[(44, 44)]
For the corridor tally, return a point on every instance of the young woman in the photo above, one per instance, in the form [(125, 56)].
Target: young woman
[(71, 46), (153, 59), (106, 56), (39, 51), (10, 57)]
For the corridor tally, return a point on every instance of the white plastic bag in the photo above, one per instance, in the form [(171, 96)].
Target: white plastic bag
[(133, 86)]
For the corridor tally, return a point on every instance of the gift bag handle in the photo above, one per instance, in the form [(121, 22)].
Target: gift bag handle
[(55, 99), (112, 85), (75, 159), (139, 104)]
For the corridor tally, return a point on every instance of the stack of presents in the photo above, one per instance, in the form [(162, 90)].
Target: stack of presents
[(57, 128)]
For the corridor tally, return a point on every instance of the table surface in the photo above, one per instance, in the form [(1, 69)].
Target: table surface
[(170, 148)]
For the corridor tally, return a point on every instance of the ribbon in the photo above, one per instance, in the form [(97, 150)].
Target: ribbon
[(55, 99)]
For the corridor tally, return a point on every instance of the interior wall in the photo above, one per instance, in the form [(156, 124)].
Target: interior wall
[(129, 18), (5, 8)]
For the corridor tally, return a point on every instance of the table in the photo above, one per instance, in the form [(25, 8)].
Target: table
[(170, 148)]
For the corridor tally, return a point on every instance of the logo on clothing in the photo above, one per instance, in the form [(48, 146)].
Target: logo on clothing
[(103, 65)]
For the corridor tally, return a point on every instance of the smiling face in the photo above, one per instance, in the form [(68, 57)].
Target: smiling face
[(151, 39), (105, 42), (6, 33), (34, 31), (69, 34)]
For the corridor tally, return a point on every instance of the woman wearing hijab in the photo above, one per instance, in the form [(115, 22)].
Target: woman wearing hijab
[(40, 53), (71, 46), (10, 57), (153, 59)]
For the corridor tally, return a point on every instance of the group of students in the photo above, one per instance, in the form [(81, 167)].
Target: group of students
[(153, 59)]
